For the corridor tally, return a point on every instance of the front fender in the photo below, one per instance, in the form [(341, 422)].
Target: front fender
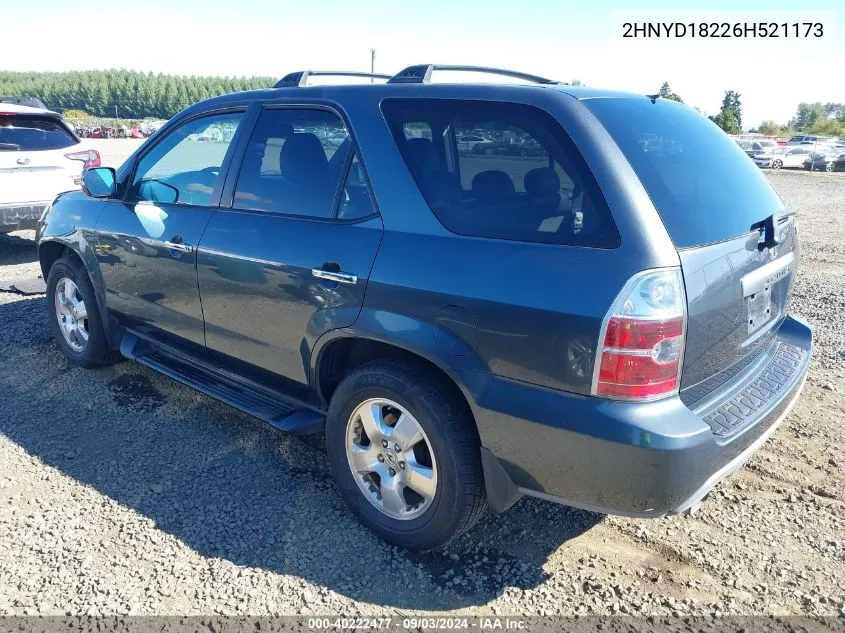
[(69, 225)]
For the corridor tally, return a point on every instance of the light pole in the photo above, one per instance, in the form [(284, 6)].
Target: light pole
[(372, 62)]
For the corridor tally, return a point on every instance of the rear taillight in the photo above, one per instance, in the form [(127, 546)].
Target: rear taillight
[(90, 157), (642, 340)]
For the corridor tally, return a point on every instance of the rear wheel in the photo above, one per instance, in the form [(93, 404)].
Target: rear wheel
[(74, 317), (829, 167), (777, 164), (405, 454)]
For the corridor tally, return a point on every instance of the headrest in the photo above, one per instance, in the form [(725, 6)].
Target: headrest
[(542, 180), (303, 160), (492, 184), (422, 155), (442, 187)]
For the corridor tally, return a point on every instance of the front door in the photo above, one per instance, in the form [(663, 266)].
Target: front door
[(147, 241), (290, 259)]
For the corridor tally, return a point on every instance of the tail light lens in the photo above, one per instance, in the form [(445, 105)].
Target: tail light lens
[(90, 157), (643, 339)]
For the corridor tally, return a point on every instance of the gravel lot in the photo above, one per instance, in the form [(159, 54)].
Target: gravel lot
[(123, 492)]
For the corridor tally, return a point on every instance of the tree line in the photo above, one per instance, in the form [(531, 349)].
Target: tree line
[(827, 119), (130, 94), (813, 118), (122, 93)]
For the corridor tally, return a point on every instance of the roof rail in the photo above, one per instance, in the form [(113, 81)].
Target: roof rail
[(300, 77), (421, 74)]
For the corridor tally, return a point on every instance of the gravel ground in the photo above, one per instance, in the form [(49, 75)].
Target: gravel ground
[(122, 491)]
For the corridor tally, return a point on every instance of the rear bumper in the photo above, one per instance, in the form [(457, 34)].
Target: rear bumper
[(20, 216), (642, 460)]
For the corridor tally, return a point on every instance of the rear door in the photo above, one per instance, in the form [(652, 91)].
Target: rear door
[(736, 241), (147, 241), (291, 258), (33, 165)]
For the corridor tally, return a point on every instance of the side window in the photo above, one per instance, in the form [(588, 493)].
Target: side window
[(417, 129), (517, 176), (523, 151), (293, 163), (184, 168), (356, 201)]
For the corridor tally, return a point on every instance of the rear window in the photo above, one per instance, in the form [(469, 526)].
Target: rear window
[(500, 170), (32, 133), (703, 185)]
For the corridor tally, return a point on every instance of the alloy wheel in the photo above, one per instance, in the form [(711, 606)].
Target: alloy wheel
[(71, 314), (391, 459)]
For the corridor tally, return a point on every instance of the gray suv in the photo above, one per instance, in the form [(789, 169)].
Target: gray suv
[(601, 322)]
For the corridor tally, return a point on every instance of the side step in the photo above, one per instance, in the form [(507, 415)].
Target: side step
[(284, 413)]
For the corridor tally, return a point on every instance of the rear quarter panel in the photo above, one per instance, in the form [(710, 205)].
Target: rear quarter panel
[(518, 309)]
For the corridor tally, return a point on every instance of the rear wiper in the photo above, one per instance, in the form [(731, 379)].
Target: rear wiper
[(9, 147), (774, 228)]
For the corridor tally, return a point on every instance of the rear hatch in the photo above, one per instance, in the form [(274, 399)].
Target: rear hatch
[(736, 241), (33, 165)]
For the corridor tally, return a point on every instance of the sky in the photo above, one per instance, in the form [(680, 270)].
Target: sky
[(555, 38)]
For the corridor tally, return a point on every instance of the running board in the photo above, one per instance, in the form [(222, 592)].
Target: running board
[(285, 414)]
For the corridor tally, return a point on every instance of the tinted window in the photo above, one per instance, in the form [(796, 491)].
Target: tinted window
[(185, 167), (293, 163), (355, 200), (28, 133), (702, 184), (501, 170)]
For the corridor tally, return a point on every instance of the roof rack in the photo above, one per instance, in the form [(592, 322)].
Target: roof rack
[(300, 77), (421, 74)]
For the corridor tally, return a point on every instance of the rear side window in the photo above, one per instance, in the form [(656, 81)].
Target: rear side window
[(701, 182), (28, 133), (500, 170), (293, 164)]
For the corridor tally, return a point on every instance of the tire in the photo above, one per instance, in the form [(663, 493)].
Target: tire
[(777, 164), (449, 440), (829, 167), (95, 351)]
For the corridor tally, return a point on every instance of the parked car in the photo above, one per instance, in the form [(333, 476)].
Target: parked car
[(830, 160), (30, 102), (468, 142), (463, 333), (756, 148), (40, 157), (804, 139), (788, 157)]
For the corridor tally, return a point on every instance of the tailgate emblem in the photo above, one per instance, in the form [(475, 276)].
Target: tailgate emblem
[(22, 161)]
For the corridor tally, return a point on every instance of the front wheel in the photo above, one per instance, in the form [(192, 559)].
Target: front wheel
[(405, 454), (829, 167), (74, 317), (777, 164)]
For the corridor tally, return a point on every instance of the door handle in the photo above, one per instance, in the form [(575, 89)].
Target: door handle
[(179, 246), (328, 275)]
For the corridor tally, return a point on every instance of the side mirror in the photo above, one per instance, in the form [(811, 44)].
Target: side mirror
[(158, 191), (99, 182)]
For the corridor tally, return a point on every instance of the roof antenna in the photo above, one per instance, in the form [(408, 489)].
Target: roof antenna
[(654, 97)]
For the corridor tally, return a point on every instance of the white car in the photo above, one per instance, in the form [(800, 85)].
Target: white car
[(789, 156), (40, 157)]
